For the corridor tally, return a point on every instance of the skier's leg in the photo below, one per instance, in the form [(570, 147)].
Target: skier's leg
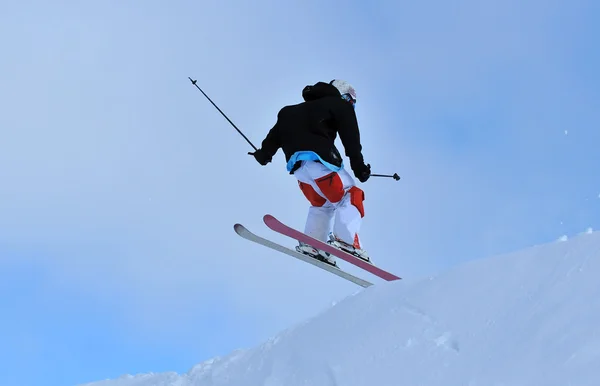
[(320, 214), (319, 221), (325, 188), (341, 191), (349, 211), (348, 219)]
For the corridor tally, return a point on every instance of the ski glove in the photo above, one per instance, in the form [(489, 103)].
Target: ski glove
[(260, 157), (361, 171)]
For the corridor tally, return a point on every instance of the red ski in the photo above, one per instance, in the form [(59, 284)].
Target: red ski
[(280, 227)]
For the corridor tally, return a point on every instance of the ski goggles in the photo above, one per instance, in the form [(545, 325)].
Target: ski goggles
[(348, 98)]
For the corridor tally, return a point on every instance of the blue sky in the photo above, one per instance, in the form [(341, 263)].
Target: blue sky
[(121, 183)]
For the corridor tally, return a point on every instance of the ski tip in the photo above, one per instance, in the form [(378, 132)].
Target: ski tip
[(268, 217), (238, 227)]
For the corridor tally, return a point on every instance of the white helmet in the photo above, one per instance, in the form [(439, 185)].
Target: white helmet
[(344, 88)]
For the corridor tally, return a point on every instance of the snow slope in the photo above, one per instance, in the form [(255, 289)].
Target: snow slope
[(530, 318)]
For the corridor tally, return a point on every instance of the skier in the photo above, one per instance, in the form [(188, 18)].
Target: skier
[(306, 133)]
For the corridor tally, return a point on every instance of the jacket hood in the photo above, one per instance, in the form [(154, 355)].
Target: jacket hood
[(319, 90)]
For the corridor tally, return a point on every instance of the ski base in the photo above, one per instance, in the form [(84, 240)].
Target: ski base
[(248, 235)]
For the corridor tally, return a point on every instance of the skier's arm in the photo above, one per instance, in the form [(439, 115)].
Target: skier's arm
[(271, 143), (350, 137), (349, 133), (269, 146)]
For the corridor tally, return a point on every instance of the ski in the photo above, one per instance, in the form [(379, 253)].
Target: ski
[(248, 235), (280, 227)]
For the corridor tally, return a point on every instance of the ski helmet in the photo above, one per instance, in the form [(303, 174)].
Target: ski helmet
[(346, 89)]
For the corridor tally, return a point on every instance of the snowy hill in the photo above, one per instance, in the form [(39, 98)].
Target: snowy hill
[(530, 318)]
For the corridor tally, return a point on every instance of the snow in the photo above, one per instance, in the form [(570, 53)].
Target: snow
[(520, 319)]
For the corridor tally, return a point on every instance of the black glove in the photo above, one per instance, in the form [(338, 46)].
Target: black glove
[(261, 157), (361, 171)]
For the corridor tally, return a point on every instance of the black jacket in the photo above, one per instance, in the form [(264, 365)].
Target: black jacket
[(313, 125)]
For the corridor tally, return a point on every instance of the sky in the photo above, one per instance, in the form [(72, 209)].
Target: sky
[(120, 182)]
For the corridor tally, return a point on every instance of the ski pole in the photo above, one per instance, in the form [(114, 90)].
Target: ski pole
[(394, 176), (213, 103)]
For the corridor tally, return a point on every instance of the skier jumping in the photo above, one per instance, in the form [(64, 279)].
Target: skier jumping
[(306, 133)]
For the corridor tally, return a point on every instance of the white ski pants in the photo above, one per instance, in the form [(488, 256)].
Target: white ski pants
[(336, 202)]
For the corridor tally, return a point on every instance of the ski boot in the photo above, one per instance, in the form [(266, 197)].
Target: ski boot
[(338, 243), (316, 254)]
